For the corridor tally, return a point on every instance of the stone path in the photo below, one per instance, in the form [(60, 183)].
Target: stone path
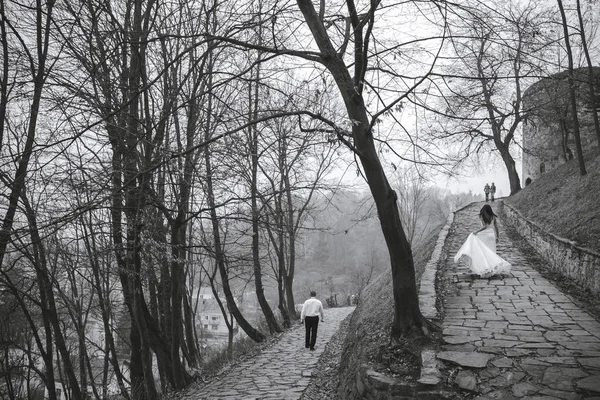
[(518, 336), (280, 372)]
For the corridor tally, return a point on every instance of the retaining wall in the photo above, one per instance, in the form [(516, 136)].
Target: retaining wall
[(580, 264)]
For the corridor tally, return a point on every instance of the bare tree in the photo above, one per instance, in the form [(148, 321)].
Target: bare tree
[(351, 82), (298, 162), (34, 51), (351, 86), (411, 202), (252, 140), (495, 53)]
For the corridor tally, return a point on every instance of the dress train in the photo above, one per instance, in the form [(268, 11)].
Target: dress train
[(479, 254)]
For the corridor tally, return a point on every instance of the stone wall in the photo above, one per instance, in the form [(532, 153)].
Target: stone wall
[(372, 385), (581, 265), (548, 128)]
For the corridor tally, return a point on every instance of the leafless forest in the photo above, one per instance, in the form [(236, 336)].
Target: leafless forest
[(160, 157)]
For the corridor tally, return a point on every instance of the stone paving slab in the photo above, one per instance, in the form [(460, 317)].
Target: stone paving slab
[(541, 344), (281, 372)]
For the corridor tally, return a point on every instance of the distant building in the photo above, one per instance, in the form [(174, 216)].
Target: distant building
[(211, 318), (211, 325), (548, 129)]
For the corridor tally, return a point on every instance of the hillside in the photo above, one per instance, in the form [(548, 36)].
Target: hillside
[(561, 201), (368, 341), (565, 203)]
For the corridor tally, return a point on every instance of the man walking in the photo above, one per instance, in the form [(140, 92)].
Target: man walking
[(311, 310), (486, 190), (493, 190)]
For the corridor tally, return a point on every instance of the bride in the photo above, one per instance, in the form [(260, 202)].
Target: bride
[(479, 250)]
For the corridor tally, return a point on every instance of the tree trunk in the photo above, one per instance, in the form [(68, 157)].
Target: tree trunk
[(407, 315), (5, 73), (220, 257), (590, 65), (230, 339), (509, 163), (281, 291), (190, 335), (45, 287), (288, 284), (292, 229), (253, 147), (260, 291), (82, 348), (572, 95), (564, 130), (181, 378), (111, 354), (277, 240), (46, 352), (18, 183)]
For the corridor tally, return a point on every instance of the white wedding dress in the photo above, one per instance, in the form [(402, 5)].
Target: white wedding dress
[(479, 254)]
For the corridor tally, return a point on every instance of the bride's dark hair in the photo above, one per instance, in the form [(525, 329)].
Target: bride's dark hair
[(487, 214)]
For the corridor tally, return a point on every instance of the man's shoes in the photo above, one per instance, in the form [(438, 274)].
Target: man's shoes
[(312, 349)]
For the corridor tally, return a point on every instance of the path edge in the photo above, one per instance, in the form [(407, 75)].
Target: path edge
[(427, 289), (430, 374)]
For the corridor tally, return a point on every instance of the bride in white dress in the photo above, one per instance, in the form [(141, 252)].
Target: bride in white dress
[(479, 250)]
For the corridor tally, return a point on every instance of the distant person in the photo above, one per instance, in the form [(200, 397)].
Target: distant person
[(486, 190), (493, 191), (312, 309), (479, 250)]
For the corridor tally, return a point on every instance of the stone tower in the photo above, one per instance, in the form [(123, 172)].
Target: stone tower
[(547, 132)]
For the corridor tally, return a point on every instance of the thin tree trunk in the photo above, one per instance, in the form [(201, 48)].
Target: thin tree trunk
[(47, 351), (45, 286), (5, 72), (592, 81), (281, 261), (219, 254), (225, 312), (253, 146), (280, 278), (292, 229), (182, 379), (104, 304), (564, 130), (18, 184), (193, 356), (179, 229), (220, 258), (288, 284), (230, 339), (572, 95), (509, 163)]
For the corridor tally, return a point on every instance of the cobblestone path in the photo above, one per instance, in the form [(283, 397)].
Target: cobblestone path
[(515, 336), (280, 372)]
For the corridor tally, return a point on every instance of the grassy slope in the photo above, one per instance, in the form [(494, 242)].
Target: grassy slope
[(565, 203), (368, 336)]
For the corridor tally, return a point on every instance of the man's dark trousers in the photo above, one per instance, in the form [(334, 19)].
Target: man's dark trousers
[(311, 324)]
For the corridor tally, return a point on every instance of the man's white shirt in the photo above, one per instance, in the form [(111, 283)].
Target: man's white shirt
[(312, 308)]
